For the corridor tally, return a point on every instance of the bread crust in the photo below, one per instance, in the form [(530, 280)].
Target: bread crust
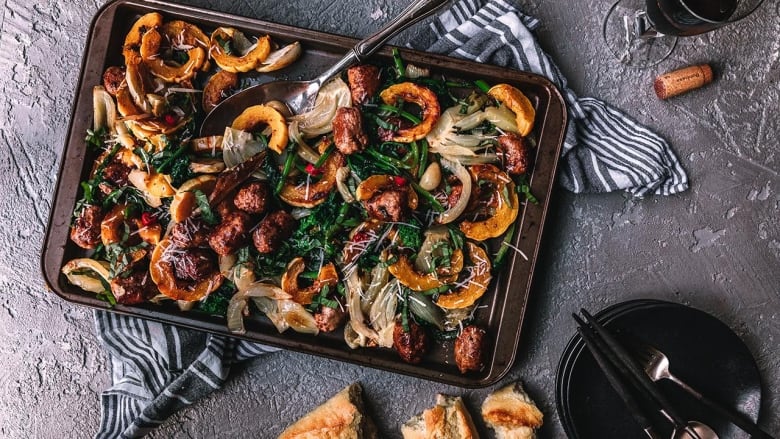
[(448, 419), (340, 417)]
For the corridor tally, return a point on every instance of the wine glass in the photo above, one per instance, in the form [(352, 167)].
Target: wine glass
[(642, 33)]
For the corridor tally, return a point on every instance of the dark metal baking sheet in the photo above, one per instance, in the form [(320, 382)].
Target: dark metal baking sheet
[(502, 308)]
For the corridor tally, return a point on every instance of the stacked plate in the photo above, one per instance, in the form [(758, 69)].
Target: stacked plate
[(702, 351)]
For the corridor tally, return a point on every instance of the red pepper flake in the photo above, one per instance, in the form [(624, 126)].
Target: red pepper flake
[(361, 237), (313, 170), (398, 180), (148, 219), (170, 119)]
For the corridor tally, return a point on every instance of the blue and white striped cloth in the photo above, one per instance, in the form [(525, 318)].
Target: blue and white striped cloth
[(604, 150), (158, 369)]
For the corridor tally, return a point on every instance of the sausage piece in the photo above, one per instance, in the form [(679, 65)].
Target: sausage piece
[(411, 346), (329, 319), (272, 231), (348, 132), (85, 231), (389, 206), (363, 82), (470, 347), (514, 150), (133, 289), (230, 234), (387, 134), (113, 79), (194, 265), (116, 172), (191, 233), (252, 198)]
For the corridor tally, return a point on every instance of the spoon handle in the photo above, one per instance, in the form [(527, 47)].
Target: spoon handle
[(415, 12), (733, 416)]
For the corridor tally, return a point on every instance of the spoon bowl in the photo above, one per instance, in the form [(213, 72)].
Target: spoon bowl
[(702, 431), (297, 95), (300, 95)]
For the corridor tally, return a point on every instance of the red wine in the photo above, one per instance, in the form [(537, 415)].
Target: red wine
[(689, 17)]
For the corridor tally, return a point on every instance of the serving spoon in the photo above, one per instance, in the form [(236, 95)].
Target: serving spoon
[(300, 95), (702, 431)]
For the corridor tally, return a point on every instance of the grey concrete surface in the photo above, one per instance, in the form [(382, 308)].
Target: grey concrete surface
[(716, 247)]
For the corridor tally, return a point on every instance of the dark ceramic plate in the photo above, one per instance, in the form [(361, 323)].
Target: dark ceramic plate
[(702, 350)]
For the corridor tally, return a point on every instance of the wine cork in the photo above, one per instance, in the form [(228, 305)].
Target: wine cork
[(682, 81)]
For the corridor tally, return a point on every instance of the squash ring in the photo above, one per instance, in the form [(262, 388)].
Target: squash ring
[(251, 119), (131, 48), (377, 184), (163, 276), (424, 98), (186, 34), (506, 211), (184, 202), (477, 284), (518, 103), (316, 193), (326, 276), (404, 271), (236, 64)]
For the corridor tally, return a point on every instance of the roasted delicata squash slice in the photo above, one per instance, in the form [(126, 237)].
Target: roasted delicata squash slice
[(313, 194), (503, 196), (184, 200), (218, 88), (132, 47), (377, 184), (416, 94), (162, 273), (326, 276), (181, 36), (518, 103), (253, 118), (112, 228), (232, 50), (474, 286), (404, 271)]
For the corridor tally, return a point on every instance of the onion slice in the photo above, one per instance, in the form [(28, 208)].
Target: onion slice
[(74, 272), (462, 174), (319, 120), (356, 316), (382, 313), (281, 58), (342, 175), (104, 110)]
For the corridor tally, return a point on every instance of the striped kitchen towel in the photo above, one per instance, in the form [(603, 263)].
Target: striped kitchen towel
[(157, 369), (604, 150)]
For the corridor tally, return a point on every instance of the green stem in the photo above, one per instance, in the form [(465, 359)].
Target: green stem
[(411, 158), (324, 156), (400, 69), (423, 158), (428, 197), (163, 167), (288, 164), (405, 114), (482, 85), (499, 259), (387, 160)]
